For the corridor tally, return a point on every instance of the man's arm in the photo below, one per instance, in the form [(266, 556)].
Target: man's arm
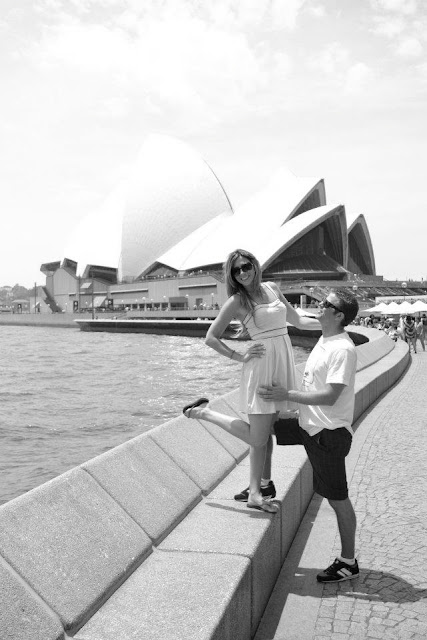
[(328, 396)]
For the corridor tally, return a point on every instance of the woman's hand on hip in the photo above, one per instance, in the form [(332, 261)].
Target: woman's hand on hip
[(256, 350)]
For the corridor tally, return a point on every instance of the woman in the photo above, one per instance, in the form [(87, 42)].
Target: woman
[(419, 333), (409, 333), (263, 311)]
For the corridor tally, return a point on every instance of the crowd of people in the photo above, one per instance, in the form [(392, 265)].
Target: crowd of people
[(408, 328)]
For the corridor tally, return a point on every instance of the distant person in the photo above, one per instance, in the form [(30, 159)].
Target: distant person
[(370, 321), (420, 333), (409, 333), (326, 407), (399, 331), (393, 332), (263, 312)]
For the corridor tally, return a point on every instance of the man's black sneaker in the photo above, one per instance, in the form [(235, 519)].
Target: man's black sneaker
[(267, 492), (339, 571)]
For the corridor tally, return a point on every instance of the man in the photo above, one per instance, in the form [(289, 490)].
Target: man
[(326, 405), (420, 333)]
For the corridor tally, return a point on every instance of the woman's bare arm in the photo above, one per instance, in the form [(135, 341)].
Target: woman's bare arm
[(293, 317), (231, 309)]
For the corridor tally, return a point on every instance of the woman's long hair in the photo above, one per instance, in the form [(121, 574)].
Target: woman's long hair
[(234, 287)]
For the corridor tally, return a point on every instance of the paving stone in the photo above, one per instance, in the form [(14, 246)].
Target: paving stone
[(22, 614), (388, 490), (127, 471), (217, 526), (342, 616), (340, 626), (178, 596), (195, 450), (227, 404), (72, 543)]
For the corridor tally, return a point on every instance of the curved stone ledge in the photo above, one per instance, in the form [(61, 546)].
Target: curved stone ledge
[(146, 542)]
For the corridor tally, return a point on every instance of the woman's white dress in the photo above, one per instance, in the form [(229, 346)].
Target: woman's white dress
[(267, 324)]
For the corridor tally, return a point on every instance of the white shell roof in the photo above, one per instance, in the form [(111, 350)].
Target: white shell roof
[(173, 210), (280, 239), (358, 220), (97, 238), (280, 198), (212, 244), (172, 192), (264, 214)]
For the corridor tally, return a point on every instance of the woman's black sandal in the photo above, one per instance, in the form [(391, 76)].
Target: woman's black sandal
[(193, 405)]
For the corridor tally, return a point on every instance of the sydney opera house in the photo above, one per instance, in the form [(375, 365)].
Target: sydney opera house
[(162, 236)]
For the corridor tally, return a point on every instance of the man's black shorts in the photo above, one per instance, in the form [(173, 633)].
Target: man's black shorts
[(326, 451)]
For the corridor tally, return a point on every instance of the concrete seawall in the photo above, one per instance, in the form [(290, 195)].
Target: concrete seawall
[(145, 540), (64, 320), (190, 323)]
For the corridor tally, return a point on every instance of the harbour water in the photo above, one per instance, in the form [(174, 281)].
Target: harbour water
[(67, 396)]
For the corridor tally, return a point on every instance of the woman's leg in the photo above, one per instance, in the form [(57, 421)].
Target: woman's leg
[(260, 429), (255, 433), (237, 427), (266, 473)]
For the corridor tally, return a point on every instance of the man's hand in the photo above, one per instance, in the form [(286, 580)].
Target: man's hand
[(273, 393)]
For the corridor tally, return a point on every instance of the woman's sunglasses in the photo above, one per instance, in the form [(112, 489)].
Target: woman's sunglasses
[(246, 266), (328, 305)]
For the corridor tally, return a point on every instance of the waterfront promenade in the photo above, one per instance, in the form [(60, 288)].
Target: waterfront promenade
[(135, 563), (388, 486)]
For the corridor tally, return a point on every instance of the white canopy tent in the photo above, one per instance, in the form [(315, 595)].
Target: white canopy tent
[(420, 306), (406, 308), (392, 309), (378, 308)]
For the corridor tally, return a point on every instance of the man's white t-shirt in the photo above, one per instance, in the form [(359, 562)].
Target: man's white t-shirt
[(333, 360)]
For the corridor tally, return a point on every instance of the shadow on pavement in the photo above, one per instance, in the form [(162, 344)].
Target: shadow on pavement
[(374, 586)]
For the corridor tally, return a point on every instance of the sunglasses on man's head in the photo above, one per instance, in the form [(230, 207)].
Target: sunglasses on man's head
[(246, 266), (328, 305)]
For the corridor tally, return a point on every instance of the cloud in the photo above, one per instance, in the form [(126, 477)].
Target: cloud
[(404, 7), (409, 48), (177, 60), (401, 23), (421, 75), (331, 60), (225, 14), (317, 11), (359, 77), (285, 13), (337, 74), (89, 48), (389, 27)]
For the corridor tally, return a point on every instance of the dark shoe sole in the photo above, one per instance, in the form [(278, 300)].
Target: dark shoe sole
[(244, 495), (195, 404), (325, 581)]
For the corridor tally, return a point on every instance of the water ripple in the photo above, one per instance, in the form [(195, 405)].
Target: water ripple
[(68, 396)]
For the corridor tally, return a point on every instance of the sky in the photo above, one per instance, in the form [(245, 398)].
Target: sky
[(329, 89)]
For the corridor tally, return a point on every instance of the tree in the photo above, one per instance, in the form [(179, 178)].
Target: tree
[(20, 293)]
